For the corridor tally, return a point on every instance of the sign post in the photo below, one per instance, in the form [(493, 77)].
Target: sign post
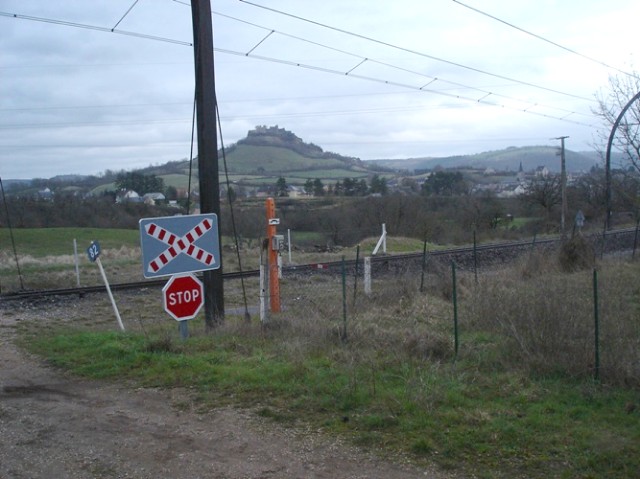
[(183, 297), (93, 252)]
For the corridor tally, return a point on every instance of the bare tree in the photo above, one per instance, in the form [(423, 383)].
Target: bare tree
[(611, 102), (544, 191), (619, 108)]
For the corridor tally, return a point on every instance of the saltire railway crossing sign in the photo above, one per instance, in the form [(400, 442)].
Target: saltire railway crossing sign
[(179, 244)]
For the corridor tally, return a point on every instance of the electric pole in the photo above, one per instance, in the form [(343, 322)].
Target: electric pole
[(563, 186), (207, 147)]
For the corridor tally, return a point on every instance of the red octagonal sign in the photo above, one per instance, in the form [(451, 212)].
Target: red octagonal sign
[(183, 296)]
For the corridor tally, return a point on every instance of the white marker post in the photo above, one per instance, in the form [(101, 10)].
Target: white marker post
[(77, 262), (382, 241), (93, 252)]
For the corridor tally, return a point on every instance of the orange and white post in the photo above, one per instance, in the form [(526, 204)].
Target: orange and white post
[(274, 251)]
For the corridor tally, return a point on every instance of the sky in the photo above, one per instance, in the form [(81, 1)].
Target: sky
[(92, 86)]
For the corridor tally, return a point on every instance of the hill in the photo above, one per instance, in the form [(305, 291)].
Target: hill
[(269, 152), (503, 160), (265, 154)]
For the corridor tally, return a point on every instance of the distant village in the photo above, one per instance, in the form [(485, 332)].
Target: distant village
[(502, 184)]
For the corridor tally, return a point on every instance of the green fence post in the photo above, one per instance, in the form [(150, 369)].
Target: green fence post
[(533, 244), (475, 256), (424, 264), (597, 324), (344, 300), (355, 279), (455, 308), (635, 239)]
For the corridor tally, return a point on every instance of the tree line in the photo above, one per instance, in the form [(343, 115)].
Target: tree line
[(346, 187)]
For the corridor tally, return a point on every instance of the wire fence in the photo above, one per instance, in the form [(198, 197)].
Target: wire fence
[(582, 323)]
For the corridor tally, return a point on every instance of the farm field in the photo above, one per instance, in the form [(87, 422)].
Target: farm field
[(46, 255)]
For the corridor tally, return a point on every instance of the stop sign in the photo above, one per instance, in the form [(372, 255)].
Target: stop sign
[(183, 296)]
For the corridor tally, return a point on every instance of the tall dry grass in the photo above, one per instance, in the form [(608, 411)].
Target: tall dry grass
[(548, 315)]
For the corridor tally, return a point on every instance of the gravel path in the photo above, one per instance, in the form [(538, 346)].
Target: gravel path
[(54, 425)]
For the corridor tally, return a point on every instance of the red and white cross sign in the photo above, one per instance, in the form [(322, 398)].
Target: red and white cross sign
[(179, 244), (184, 244)]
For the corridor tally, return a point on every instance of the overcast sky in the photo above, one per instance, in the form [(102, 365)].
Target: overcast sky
[(365, 78)]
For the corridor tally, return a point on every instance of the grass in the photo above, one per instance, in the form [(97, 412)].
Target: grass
[(395, 386), (39, 242), (455, 415)]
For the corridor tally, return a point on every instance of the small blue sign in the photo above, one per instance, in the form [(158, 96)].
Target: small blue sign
[(93, 251), (179, 244)]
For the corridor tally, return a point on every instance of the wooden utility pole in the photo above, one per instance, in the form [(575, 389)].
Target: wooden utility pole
[(207, 147), (563, 186)]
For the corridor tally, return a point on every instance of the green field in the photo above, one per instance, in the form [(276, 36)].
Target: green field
[(245, 158), (38, 242)]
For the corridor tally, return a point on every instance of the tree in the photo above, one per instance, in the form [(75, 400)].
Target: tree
[(282, 189), (361, 188), (139, 182), (445, 183), (318, 187), (349, 186), (171, 193), (378, 185), (308, 187), (619, 110), (544, 191), (611, 103)]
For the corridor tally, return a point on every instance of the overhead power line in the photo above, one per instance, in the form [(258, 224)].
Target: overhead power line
[(125, 14), (481, 100), (539, 37), (413, 52), (94, 27), (363, 60), (404, 85)]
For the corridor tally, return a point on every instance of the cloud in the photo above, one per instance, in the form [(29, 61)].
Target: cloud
[(75, 100)]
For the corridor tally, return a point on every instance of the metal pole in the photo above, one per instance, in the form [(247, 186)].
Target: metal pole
[(607, 170), (563, 186), (424, 263), (604, 239), (597, 324), (207, 147), (264, 287), (289, 243), (113, 301), (355, 279), (455, 308), (533, 245), (635, 238), (183, 327), (475, 256), (344, 301)]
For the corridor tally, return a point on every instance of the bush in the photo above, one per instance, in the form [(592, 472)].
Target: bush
[(576, 255)]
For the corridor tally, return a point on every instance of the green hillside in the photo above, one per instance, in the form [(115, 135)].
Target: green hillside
[(266, 154), (274, 160), (508, 159)]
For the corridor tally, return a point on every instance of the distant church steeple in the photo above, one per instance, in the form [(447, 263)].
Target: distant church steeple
[(520, 169)]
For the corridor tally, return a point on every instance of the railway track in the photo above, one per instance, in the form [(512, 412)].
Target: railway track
[(605, 243)]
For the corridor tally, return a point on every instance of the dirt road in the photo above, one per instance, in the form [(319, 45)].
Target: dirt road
[(53, 425)]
